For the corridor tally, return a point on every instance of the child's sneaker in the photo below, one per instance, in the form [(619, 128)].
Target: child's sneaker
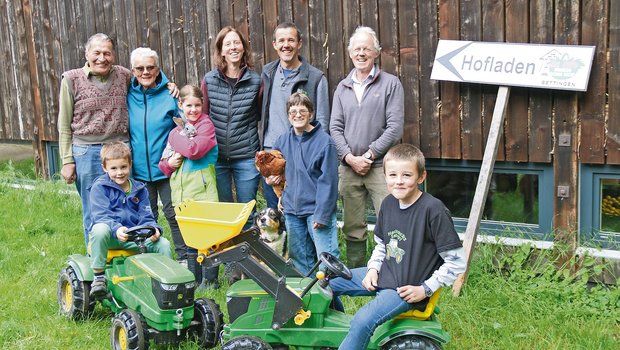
[(99, 288)]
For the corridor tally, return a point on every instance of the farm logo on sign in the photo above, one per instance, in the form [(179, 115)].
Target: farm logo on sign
[(560, 65)]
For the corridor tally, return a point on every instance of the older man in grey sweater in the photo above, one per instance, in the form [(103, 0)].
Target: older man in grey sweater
[(366, 120)]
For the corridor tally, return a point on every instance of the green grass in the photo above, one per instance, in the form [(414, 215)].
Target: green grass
[(506, 304), (22, 169)]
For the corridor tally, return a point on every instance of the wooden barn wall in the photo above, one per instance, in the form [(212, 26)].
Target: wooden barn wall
[(43, 38)]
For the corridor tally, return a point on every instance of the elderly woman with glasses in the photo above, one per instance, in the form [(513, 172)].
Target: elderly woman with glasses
[(151, 108)]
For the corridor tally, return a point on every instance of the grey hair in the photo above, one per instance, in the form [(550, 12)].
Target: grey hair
[(368, 31), (99, 37), (143, 52)]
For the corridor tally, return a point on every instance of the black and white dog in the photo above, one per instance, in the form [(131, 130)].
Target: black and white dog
[(270, 222)]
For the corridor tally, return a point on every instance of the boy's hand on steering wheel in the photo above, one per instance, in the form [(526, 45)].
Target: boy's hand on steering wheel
[(121, 235), (411, 294), (155, 237)]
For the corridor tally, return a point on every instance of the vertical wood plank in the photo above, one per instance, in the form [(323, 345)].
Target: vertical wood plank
[(37, 131), (285, 11), (166, 61), (613, 67), (72, 47), (258, 35), (214, 26), (351, 19), (592, 103), (369, 14), (449, 114), (120, 34), (409, 74), (6, 103), (336, 53), (516, 132), (565, 124), (240, 16), (178, 39), (24, 124), (541, 137), (388, 36), (302, 21), (46, 70), (203, 51), (317, 34), (471, 94), (226, 14), (141, 23), (270, 22), (189, 29), (133, 35), (153, 38), (429, 89), (492, 17)]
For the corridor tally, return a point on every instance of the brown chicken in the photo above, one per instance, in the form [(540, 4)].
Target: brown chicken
[(271, 163)]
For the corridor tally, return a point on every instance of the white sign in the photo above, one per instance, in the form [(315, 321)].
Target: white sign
[(561, 67)]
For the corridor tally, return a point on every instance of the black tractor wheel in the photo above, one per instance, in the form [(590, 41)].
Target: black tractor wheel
[(411, 342), (211, 319), (129, 331), (246, 343), (73, 295)]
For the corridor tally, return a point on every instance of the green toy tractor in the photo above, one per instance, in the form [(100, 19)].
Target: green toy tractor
[(152, 297), (276, 307)]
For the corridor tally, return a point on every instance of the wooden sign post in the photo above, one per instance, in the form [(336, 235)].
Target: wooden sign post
[(561, 67)]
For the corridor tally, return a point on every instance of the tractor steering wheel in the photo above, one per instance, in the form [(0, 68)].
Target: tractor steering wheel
[(334, 266), (139, 235)]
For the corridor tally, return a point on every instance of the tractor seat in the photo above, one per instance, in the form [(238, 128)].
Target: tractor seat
[(113, 253), (427, 313)]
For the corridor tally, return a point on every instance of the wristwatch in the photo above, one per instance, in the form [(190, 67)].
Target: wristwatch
[(427, 291), (368, 155)]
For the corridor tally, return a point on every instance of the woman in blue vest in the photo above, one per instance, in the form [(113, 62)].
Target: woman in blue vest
[(232, 93)]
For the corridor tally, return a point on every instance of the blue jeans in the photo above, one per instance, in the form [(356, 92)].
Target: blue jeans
[(101, 240), (270, 195), (385, 306), (306, 243), (87, 168), (245, 177)]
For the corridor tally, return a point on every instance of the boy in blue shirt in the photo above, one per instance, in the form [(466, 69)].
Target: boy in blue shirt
[(417, 250), (118, 203)]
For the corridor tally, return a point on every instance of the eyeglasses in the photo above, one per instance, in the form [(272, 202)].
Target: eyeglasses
[(142, 69), (294, 112)]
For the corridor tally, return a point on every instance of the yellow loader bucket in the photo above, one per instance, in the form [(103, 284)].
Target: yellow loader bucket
[(205, 225)]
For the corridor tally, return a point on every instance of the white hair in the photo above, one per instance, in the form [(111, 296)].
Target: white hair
[(143, 52), (98, 37), (367, 31)]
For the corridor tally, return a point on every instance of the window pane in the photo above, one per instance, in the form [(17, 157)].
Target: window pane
[(610, 205), (511, 198)]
